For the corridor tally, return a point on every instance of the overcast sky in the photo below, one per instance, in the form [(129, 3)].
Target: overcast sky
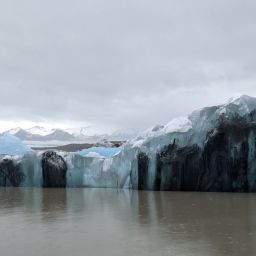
[(122, 64)]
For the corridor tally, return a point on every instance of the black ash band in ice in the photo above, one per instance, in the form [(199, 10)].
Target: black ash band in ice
[(213, 149)]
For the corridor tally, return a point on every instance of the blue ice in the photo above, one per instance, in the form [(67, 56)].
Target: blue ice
[(11, 145)]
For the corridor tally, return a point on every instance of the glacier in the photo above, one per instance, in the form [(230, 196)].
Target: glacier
[(213, 149)]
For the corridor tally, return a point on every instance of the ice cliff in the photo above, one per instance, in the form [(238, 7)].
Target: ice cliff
[(213, 149)]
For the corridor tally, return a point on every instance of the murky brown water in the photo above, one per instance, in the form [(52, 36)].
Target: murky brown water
[(110, 222)]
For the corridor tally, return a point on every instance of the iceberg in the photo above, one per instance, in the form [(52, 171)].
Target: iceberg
[(11, 145)]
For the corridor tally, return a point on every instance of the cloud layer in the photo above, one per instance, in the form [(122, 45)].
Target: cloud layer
[(122, 63)]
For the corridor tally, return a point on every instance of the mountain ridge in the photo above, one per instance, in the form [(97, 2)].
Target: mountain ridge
[(200, 119)]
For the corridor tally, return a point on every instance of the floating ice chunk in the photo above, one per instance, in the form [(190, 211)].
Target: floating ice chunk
[(11, 145), (99, 152)]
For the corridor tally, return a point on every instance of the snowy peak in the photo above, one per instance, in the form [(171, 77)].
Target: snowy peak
[(240, 99), (78, 132), (38, 133), (200, 120), (39, 130), (13, 131), (244, 103), (59, 134)]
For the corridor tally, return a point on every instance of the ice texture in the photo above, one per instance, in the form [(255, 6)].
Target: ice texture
[(99, 151), (11, 145), (163, 157)]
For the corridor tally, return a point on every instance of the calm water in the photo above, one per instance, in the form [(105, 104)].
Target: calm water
[(111, 222)]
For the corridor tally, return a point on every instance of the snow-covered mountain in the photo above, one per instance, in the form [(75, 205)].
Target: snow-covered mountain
[(78, 131), (199, 120), (40, 130), (42, 134), (13, 130), (79, 134)]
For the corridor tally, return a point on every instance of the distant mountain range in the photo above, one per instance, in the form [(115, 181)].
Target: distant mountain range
[(42, 134)]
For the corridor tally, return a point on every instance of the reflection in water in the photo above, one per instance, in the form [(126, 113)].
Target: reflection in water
[(54, 204), (123, 222)]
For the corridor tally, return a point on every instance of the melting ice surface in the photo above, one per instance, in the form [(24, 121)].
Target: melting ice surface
[(11, 145), (99, 152)]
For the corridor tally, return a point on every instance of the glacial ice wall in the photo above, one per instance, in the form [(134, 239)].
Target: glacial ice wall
[(94, 167), (213, 149)]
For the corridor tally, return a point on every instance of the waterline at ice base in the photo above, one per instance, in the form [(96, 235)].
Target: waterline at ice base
[(213, 149)]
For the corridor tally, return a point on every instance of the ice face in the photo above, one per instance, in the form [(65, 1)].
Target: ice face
[(98, 167), (11, 145), (134, 165)]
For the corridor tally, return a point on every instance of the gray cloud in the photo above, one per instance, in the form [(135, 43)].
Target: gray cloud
[(123, 63)]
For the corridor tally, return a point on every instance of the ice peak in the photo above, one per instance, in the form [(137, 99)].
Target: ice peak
[(241, 99), (244, 104), (234, 98)]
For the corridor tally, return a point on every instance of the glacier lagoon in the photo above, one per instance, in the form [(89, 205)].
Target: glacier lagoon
[(76, 222), (98, 201)]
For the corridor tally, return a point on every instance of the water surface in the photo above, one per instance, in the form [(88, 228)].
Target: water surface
[(122, 222)]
